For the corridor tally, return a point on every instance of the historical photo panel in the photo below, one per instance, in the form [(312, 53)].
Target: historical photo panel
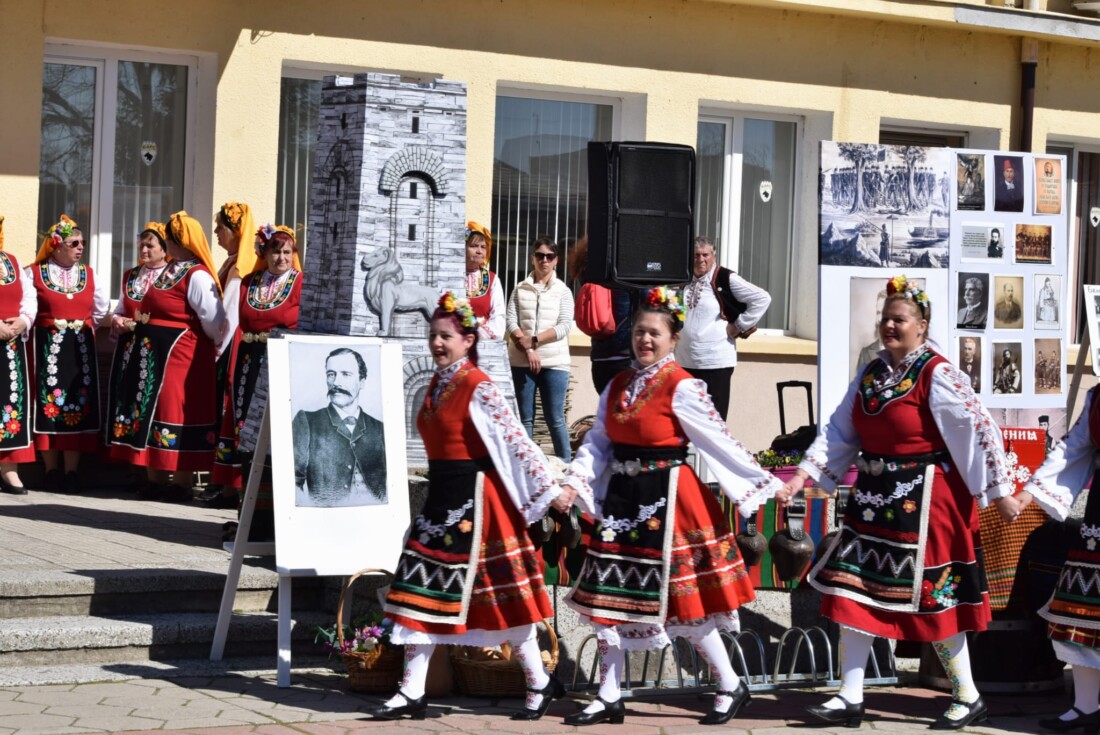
[(1048, 186), (867, 296), (1048, 305), (982, 241), (1008, 311), (970, 181), (970, 360), (1006, 358), (1033, 244), (1008, 183), (1048, 366), (973, 295)]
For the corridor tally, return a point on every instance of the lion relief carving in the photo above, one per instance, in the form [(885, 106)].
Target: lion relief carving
[(386, 292)]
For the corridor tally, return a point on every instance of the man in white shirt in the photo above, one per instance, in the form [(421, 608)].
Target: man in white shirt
[(721, 306)]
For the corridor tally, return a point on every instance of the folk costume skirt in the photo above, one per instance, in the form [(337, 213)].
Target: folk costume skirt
[(163, 415), (468, 564), (663, 555), (1073, 611), (66, 386), (907, 562), (15, 428), (249, 358)]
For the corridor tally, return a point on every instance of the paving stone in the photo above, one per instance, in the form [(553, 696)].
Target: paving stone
[(10, 709)]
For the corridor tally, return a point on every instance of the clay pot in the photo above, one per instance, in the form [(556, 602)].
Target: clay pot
[(791, 550), (752, 544)]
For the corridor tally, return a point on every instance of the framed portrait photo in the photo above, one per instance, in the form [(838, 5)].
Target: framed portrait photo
[(338, 453)]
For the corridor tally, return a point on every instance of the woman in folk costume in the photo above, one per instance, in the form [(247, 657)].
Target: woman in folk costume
[(483, 288), (18, 307), (164, 416), (1073, 611), (663, 562), (65, 376), (269, 299), (235, 231), (152, 259), (906, 564), (488, 481)]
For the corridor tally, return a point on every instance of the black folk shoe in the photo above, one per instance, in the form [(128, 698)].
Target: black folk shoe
[(740, 699), (850, 715), (975, 712), (417, 709), (554, 689), (612, 712), (1089, 724)]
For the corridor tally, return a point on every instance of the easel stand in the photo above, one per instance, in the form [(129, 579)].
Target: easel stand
[(241, 548)]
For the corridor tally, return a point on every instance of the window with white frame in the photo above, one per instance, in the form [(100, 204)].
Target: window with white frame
[(745, 200), (115, 148), (299, 110), (540, 176)]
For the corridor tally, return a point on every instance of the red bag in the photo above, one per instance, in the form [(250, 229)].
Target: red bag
[(592, 311)]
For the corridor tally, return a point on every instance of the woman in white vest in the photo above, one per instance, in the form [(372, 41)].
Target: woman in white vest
[(539, 316)]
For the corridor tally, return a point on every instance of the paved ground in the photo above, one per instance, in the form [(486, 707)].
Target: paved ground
[(58, 540)]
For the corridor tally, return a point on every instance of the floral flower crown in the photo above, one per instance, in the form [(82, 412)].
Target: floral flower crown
[(460, 307), (905, 287), (63, 229), (268, 231), (665, 298)]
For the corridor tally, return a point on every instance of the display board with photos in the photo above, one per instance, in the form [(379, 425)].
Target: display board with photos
[(1009, 276), (930, 213)]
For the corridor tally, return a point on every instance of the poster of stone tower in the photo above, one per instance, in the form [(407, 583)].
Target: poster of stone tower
[(387, 220)]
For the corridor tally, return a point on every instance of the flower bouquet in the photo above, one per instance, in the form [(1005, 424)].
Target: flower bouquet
[(373, 663)]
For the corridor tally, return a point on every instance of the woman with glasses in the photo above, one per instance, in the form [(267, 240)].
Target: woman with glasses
[(540, 313), (64, 374)]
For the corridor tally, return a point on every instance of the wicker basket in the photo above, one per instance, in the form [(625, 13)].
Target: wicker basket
[(376, 671), (477, 676)]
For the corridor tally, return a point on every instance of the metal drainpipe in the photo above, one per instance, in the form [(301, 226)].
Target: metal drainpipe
[(1029, 60)]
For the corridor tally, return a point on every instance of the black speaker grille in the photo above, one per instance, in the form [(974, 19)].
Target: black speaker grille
[(655, 179), (653, 250)]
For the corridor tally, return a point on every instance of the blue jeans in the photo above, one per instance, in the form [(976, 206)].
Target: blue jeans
[(551, 385)]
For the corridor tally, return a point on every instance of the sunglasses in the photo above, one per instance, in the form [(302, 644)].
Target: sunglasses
[(545, 256), (74, 243)]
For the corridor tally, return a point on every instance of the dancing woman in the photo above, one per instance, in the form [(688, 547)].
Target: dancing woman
[(469, 574), (906, 564), (663, 562)]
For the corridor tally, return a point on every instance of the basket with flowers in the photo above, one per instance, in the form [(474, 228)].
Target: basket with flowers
[(373, 663)]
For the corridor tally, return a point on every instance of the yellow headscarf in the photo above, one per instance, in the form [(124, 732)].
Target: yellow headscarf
[(186, 231), (263, 236), (238, 216), (473, 228), (157, 228), (54, 237), (1, 232)]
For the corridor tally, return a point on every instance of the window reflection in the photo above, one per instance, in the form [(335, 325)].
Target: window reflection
[(68, 139)]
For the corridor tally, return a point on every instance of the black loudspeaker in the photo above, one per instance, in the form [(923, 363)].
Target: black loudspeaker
[(641, 224)]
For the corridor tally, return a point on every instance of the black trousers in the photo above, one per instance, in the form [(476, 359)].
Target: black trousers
[(604, 370), (718, 385)]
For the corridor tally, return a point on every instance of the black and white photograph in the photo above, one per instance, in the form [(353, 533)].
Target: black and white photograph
[(982, 242), (970, 179), (1008, 311), (1048, 366), (1007, 378), (885, 206), (973, 294), (970, 360), (1033, 244), (1092, 318), (339, 443), (1008, 183), (1048, 301)]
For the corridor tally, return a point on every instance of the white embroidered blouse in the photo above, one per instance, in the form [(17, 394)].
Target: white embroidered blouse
[(1066, 469), (733, 466), (522, 466), (972, 437)]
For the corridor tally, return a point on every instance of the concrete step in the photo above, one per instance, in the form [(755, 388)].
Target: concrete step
[(81, 639), (144, 591)]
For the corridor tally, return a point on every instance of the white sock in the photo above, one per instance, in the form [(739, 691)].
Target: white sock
[(713, 651), (855, 646), (612, 659), (955, 657), (1086, 691), (417, 656), (530, 660)]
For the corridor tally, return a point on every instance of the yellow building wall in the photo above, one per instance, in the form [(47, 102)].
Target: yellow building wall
[(846, 69)]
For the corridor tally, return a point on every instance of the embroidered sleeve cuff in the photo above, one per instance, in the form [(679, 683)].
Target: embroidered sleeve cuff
[(994, 492), (586, 499), (761, 491), (1054, 506), (536, 507), (817, 470)]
